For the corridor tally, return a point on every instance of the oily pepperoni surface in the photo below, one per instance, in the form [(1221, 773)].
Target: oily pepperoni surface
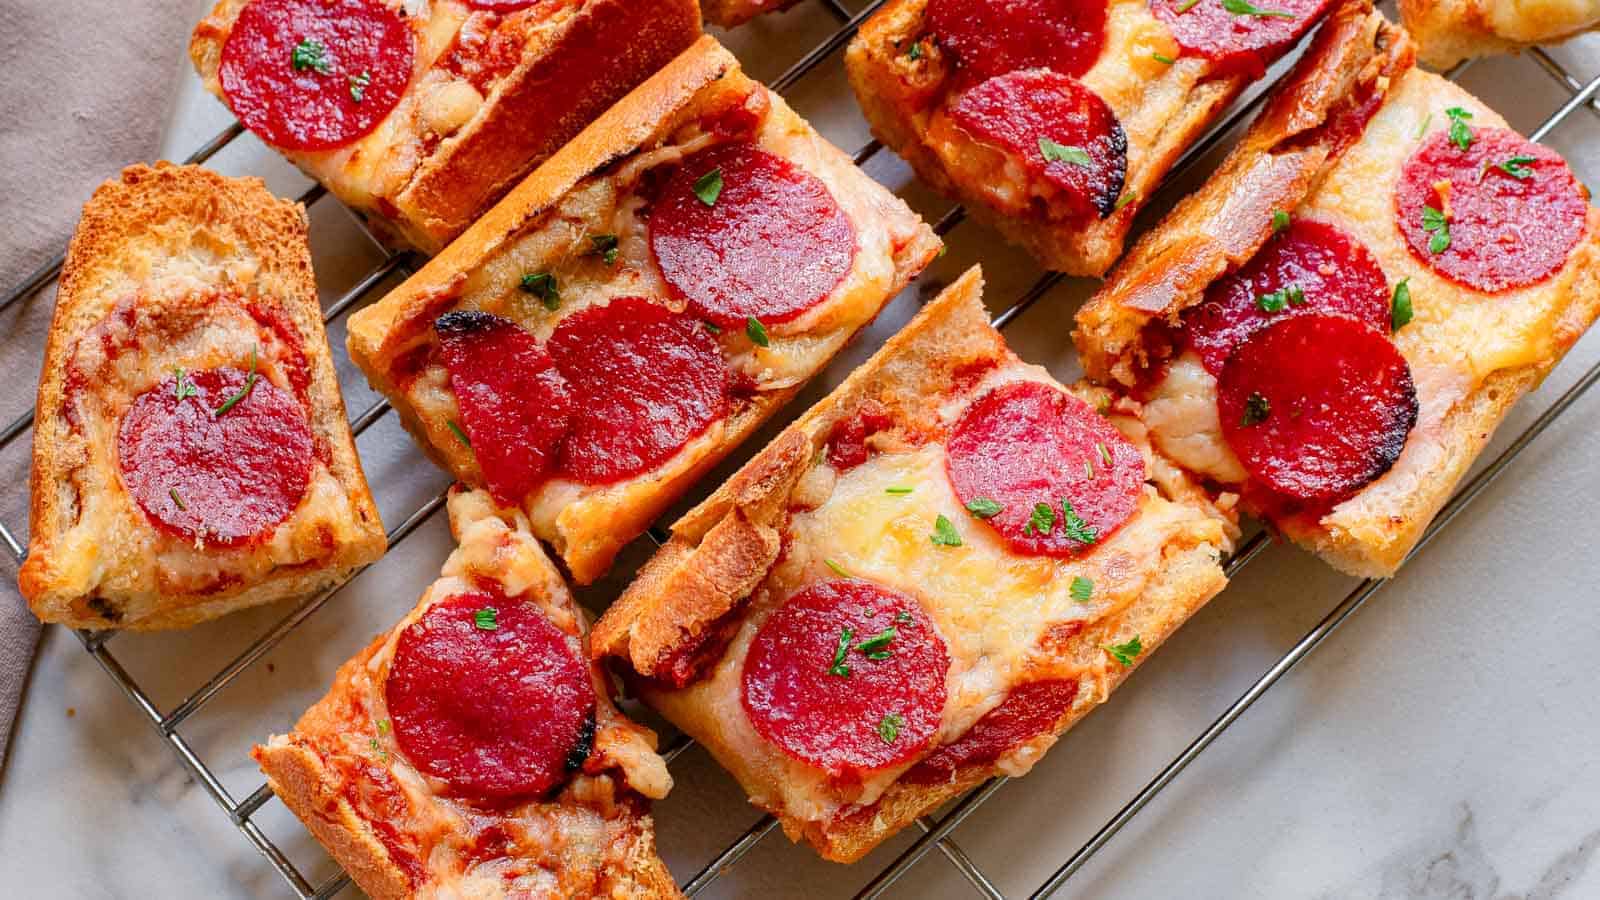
[(515, 406), (1505, 232), (496, 713), (229, 479), (1332, 269), (1238, 41), (772, 245), (1339, 405), (1026, 443), (645, 381), (994, 37), (881, 713), (1016, 112), (1028, 711), (308, 108)]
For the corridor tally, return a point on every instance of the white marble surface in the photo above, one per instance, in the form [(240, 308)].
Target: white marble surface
[(1440, 745)]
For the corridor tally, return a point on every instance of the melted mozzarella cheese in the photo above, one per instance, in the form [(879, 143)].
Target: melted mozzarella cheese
[(1532, 21), (1181, 416)]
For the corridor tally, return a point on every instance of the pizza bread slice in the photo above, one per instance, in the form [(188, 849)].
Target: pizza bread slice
[(473, 750), (191, 454), (421, 115), (1449, 31), (1055, 120), (1336, 323), (639, 305), (918, 585)]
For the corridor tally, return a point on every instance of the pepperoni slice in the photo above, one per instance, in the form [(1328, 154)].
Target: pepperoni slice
[(515, 406), (1028, 711), (1317, 406), (1034, 450), (871, 705), (1238, 41), (293, 70), (227, 479), (496, 704), (771, 245), (645, 381), (1024, 113), (1309, 267), (994, 37), (1513, 209)]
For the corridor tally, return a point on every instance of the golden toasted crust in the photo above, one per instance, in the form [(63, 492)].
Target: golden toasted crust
[(129, 227), (1449, 31), (733, 13), (574, 74)]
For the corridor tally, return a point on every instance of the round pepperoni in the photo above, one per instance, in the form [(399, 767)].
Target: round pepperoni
[(645, 381), (315, 74), (1038, 453), (1246, 40), (1309, 267), (489, 696), (227, 479), (1060, 130), (1512, 210), (770, 244), (515, 406), (847, 676), (994, 37), (1317, 406), (1028, 711)]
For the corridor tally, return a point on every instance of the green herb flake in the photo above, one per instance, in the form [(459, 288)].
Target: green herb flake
[(915, 53), (838, 667), (378, 751), (544, 286), (837, 569), (903, 618), (237, 398), (1043, 520), (1423, 128), (173, 492), (1162, 58), (712, 327), (358, 86), (1280, 221), (1126, 198), (1400, 307), (1054, 152), (1104, 451), (1460, 131), (185, 387), (1246, 8), (1076, 528), (757, 332), (1281, 299), (897, 489), (1081, 589), (983, 508), (1517, 167), (383, 726), (708, 187), (889, 727), (456, 430), (1434, 221), (944, 532), (1256, 410), (1126, 653), (877, 646), (606, 246), (487, 619), (310, 54), (1187, 5)]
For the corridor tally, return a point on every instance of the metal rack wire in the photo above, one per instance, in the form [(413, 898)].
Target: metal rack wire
[(937, 832)]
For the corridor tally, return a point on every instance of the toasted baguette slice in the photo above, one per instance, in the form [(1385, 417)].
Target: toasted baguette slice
[(1449, 31), (175, 266), (491, 96), (806, 512), (1312, 155), (402, 833), (593, 187)]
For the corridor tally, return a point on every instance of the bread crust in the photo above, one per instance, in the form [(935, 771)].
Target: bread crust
[(722, 550), (574, 74), (733, 13), (129, 228), (1450, 31)]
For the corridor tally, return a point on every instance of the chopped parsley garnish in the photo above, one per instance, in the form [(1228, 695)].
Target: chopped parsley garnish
[(1281, 299), (1081, 590), (1400, 307), (606, 246), (249, 385), (903, 617), (1054, 152), (1280, 221), (1126, 653), (1256, 410), (877, 646), (889, 727), (1042, 521), (897, 489), (1105, 452), (1088, 468), (837, 569), (1435, 222), (1187, 5), (383, 726), (173, 492), (1517, 167), (757, 332), (1162, 58), (543, 285), (185, 388), (708, 187), (358, 86), (944, 532), (310, 54), (915, 52), (1460, 131), (487, 619), (1076, 528), (1246, 8), (712, 327), (1423, 128), (839, 668), (456, 430), (377, 751), (983, 508), (1126, 198)]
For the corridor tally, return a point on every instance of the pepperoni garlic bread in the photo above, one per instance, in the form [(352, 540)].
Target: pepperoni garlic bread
[(1054, 119), (1449, 31), (1336, 323), (190, 450), (473, 750), (919, 584), (421, 115), (641, 303)]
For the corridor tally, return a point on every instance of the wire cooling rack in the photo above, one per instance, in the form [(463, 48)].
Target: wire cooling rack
[(936, 831)]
